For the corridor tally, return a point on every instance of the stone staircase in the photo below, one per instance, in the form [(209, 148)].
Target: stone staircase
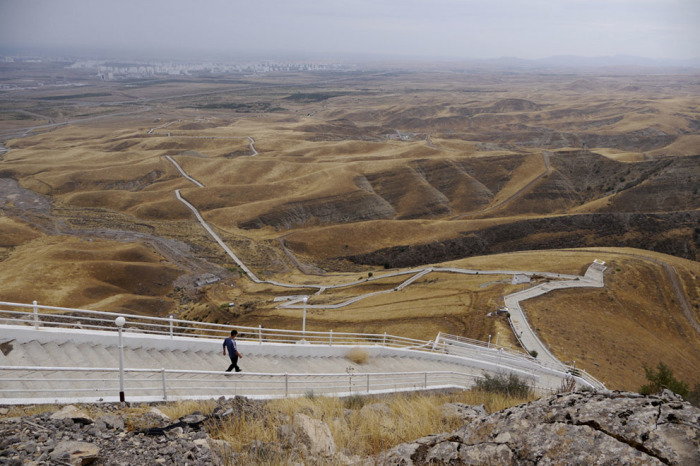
[(84, 367)]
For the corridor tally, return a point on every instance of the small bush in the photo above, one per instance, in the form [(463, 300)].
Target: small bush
[(354, 402), (663, 378), (507, 384), (568, 384), (358, 355)]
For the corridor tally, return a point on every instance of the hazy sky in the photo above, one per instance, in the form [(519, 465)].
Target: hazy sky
[(401, 28)]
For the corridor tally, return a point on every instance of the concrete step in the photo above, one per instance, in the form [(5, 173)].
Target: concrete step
[(52, 354), (170, 360), (149, 358), (101, 357), (73, 356), (95, 357), (33, 353), (26, 353), (204, 360), (13, 359), (144, 358)]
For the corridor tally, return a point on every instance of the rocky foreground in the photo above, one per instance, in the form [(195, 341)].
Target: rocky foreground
[(572, 428)]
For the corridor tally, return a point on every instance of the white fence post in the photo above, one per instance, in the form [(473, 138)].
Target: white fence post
[(260, 334), (367, 382), (165, 389), (36, 316), (331, 339), (286, 385), (171, 326), (437, 340), (384, 340), (120, 321)]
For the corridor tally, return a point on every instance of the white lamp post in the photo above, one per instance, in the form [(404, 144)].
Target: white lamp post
[(120, 321), (303, 322)]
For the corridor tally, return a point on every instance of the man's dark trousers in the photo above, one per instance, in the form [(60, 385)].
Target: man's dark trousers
[(234, 363)]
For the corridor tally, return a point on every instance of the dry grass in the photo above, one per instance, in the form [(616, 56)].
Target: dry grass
[(14, 233), (182, 408), (31, 410), (363, 426)]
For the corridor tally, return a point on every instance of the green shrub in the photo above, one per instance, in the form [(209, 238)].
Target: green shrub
[(507, 384), (663, 378)]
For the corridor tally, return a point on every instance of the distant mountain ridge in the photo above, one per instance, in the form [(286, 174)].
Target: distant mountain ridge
[(582, 62)]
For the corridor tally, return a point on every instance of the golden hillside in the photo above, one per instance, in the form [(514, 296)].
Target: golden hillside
[(326, 180)]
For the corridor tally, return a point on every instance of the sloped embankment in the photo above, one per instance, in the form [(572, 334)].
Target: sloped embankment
[(673, 233)]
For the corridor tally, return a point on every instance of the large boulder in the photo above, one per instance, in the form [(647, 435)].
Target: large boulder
[(73, 413), (572, 428), (312, 434), (75, 453)]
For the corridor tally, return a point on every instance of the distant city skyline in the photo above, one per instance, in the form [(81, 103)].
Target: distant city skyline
[(405, 29)]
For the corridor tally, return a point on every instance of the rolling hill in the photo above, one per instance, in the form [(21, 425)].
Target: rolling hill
[(332, 178)]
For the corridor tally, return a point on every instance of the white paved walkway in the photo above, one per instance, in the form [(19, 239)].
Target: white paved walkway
[(524, 332)]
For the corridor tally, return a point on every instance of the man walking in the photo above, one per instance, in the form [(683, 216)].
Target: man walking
[(230, 344)]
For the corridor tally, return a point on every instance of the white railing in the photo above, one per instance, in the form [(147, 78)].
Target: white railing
[(101, 384), (453, 344), (50, 317), (581, 374), (61, 317)]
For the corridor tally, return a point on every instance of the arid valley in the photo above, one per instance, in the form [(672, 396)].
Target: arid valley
[(317, 177)]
